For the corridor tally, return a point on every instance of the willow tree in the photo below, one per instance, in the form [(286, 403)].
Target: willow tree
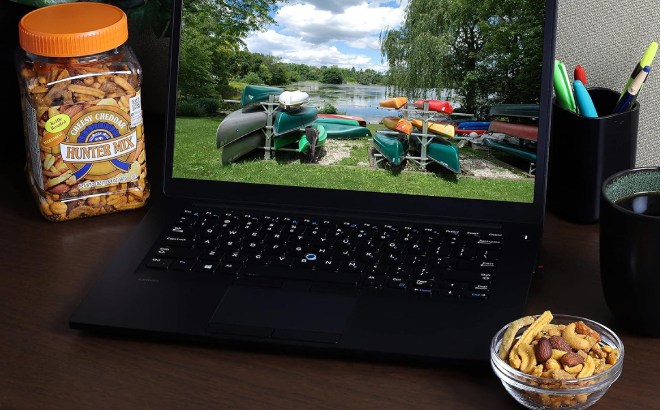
[(486, 50)]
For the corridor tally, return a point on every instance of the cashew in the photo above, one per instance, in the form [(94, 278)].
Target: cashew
[(537, 371), (588, 369), (45, 209), (82, 210), (573, 339), (607, 349), (527, 358), (557, 354), (573, 370), (552, 364)]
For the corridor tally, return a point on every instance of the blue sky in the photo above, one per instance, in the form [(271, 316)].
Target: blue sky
[(329, 32)]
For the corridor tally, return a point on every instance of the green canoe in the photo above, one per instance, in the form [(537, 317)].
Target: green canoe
[(341, 131), (254, 94), (300, 138), (288, 121), (303, 145), (337, 121), (242, 146), (440, 151), (393, 149), (523, 152), (515, 110)]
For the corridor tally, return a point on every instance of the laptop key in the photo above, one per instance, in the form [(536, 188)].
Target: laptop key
[(477, 295), (239, 257), (305, 263), (476, 265), (424, 291), (257, 260), (184, 265), (449, 293), (207, 267), (159, 263), (374, 281), (212, 255), (445, 284), (352, 267), (269, 272), (488, 255), (393, 259), (417, 261), (278, 238), (229, 268), (173, 253), (282, 261), (442, 263), (393, 247), (424, 273), (479, 288), (275, 249), (329, 265), (398, 283), (370, 246), (376, 269), (323, 253), (465, 253), (340, 278), (346, 244), (423, 283), (472, 277), (487, 244), (184, 231), (418, 249), (345, 255), (230, 245), (401, 271), (182, 242), (253, 247), (370, 257), (206, 243)]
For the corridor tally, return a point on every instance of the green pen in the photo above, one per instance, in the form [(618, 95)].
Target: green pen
[(647, 61), (565, 98)]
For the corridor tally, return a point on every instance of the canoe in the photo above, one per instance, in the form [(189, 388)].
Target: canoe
[(241, 123), (435, 127), (340, 131), (393, 149), (360, 121), (286, 139), (303, 144), (396, 103), (528, 132), (440, 151), (337, 121), (398, 124), (293, 98), (473, 125), (515, 110), (468, 132), (254, 94), (435, 105), (523, 152), (243, 146), (287, 121)]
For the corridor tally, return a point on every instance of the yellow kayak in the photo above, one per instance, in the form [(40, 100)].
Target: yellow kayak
[(398, 124), (396, 103), (435, 127)]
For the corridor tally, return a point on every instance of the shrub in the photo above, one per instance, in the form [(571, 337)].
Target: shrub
[(252, 79), (189, 109), (328, 109), (208, 105)]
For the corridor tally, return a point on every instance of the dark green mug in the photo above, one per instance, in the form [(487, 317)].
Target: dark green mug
[(630, 248)]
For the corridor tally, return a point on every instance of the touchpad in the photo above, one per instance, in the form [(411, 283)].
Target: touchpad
[(281, 309)]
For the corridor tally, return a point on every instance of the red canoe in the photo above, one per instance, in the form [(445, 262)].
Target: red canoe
[(528, 132), (468, 132), (361, 121), (435, 105)]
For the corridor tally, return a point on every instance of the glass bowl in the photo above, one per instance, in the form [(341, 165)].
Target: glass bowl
[(544, 393)]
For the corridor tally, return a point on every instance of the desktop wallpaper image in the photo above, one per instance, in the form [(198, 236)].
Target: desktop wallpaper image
[(349, 60)]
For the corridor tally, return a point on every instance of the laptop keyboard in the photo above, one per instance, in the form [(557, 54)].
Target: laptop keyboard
[(266, 250)]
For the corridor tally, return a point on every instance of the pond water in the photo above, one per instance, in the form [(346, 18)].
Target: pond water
[(352, 99)]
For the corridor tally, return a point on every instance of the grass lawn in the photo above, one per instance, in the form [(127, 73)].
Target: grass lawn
[(196, 157)]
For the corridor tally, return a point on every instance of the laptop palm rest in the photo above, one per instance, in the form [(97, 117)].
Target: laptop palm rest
[(282, 314)]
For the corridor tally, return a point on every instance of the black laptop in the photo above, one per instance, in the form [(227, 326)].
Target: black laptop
[(297, 230)]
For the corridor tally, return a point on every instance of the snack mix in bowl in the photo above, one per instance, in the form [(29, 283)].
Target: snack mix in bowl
[(548, 362)]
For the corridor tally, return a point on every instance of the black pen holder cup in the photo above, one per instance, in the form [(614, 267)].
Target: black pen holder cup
[(584, 152)]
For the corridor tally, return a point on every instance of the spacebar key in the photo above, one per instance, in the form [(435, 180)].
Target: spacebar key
[(269, 272), (329, 277)]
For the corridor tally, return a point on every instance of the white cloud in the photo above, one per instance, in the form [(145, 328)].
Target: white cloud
[(296, 50), (351, 24)]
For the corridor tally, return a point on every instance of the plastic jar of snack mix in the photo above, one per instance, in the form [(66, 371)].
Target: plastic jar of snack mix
[(80, 88)]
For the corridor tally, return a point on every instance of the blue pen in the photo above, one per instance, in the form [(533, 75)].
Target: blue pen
[(584, 102), (631, 94)]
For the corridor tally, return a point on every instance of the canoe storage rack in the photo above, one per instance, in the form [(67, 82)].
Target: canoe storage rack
[(425, 137)]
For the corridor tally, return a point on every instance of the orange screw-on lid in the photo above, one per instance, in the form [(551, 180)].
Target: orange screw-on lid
[(73, 29)]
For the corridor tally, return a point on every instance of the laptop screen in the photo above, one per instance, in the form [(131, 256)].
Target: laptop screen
[(436, 98)]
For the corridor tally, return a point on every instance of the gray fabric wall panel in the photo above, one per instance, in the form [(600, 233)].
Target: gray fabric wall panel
[(608, 38)]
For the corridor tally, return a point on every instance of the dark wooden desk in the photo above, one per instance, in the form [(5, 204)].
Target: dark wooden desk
[(48, 268)]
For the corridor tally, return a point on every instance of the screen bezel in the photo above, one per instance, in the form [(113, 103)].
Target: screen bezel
[(329, 200)]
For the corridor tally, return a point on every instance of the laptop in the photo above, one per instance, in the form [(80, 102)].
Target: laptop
[(340, 241)]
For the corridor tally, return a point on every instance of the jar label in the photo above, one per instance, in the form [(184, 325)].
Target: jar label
[(88, 145)]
